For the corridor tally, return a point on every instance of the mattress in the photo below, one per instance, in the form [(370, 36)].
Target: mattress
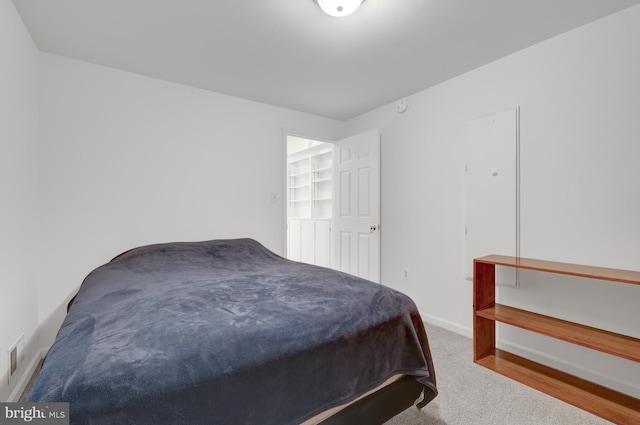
[(226, 331)]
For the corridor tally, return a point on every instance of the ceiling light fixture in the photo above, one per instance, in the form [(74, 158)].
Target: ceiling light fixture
[(339, 8)]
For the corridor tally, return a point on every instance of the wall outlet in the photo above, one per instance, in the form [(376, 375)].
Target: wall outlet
[(15, 356), (405, 273)]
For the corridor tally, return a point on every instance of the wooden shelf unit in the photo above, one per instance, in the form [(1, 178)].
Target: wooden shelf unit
[(604, 402)]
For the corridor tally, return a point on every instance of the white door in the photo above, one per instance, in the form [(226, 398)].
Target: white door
[(356, 206)]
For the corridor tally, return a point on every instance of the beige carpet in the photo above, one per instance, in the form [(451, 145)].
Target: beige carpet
[(472, 395)]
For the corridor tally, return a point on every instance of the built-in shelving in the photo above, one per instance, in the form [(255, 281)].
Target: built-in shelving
[(604, 402), (309, 204), (310, 183)]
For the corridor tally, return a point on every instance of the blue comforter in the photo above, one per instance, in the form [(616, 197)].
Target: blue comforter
[(226, 332)]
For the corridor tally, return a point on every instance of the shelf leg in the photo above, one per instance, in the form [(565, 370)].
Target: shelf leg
[(484, 296)]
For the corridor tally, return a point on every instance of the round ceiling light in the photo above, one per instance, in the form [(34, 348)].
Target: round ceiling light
[(339, 8)]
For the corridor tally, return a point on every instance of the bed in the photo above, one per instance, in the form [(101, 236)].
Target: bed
[(228, 332)]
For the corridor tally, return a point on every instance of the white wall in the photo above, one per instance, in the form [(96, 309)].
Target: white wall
[(128, 160), (580, 101), (18, 190)]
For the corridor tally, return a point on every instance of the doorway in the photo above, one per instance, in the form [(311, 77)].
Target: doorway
[(309, 176), (333, 203)]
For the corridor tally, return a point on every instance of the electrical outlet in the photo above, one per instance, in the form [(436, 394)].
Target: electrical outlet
[(15, 356), (405, 273)]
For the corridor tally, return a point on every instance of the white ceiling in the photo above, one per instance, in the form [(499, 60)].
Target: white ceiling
[(289, 53)]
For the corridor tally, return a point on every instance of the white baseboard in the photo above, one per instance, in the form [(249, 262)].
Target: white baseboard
[(26, 375), (44, 336), (448, 325)]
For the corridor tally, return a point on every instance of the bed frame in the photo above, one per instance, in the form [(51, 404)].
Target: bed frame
[(382, 405)]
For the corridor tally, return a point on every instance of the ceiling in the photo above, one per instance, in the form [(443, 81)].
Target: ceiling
[(289, 53)]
